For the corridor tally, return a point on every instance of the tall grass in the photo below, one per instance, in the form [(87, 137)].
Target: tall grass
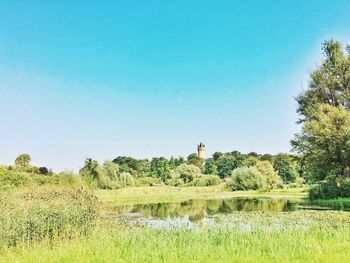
[(32, 214), (115, 243)]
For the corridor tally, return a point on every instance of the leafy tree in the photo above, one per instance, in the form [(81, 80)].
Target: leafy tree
[(210, 167), (93, 174), (286, 167), (23, 160), (250, 161), (247, 178), (226, 164), (330, 82), (325, 142), (174, 162), (217, 155), (273, 180), (187, 172), (195, 160), (160, 168), (111, 170)]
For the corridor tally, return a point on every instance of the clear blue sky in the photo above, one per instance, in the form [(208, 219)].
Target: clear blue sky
[(154, 78)]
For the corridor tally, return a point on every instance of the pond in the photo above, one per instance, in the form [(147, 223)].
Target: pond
[(197, 209)]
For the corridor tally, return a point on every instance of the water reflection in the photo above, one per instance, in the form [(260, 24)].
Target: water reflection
[(197, 209)]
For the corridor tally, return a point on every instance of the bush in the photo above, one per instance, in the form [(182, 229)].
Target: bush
[(174, 182), (247, 178), (68, 178), (345, 188), (324, 190), (206, 180), (147, 181), (126, 179), (12, 179), (187, 172), (33, 214), (272, 178)]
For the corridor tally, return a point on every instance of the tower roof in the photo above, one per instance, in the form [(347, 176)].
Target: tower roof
[(201, 144)]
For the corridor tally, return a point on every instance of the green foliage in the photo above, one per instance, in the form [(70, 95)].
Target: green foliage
[(329, 83), (126, 179), (286, 167), (330, 189), (210, 167), (23, 160), (226, 164), (247, 178), (34, 214), (147, 181), (187, 172), (206, 180), (68, 178), (272, 178), (325, 142), (160, 168), (194, 159)]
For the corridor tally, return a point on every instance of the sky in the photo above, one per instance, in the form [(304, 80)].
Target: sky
[(152, 78)]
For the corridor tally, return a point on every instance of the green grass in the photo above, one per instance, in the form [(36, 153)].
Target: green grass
[(339, 202), (145, 195), (299, 236), (114, 242)]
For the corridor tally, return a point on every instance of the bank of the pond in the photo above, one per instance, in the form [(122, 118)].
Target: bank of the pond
[(115, 242), (156, 194), (339, 202)]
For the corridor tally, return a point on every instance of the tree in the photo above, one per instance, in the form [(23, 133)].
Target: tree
[(247, 178), (187, 172), (23, 160), (286, 167), (93, 174), (160, 168), (217, 155), (226, 164), (195, 160), (329, 84), (325, 143), (210, 167), (273, 180), (324, 110), (111, 170)]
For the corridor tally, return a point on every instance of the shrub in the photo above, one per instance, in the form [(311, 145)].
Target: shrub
[(11, 179), (68, 178), (206, 180), (345, 188), (126, 179), (272, 178), (187, 172), (33, 214), (247, 178), (147, 181), (174, 182), (324, 190)]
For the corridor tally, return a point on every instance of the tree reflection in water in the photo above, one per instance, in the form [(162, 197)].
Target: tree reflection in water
[(197, 209)]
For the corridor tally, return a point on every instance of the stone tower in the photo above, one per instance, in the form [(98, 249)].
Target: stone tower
[(201, 150)]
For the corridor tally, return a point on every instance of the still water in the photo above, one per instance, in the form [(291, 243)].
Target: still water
[(197, 209)]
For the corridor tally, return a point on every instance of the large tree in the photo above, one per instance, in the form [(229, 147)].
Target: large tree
[(325, 143), (324, 111), (329, 83)]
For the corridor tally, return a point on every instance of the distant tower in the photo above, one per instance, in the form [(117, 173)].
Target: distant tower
[(201, 150)]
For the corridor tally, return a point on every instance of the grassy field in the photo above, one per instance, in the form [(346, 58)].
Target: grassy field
[(144, 195), (299, 236), (115, 242)]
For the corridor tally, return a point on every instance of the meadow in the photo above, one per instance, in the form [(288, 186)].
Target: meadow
[(298, 236)]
